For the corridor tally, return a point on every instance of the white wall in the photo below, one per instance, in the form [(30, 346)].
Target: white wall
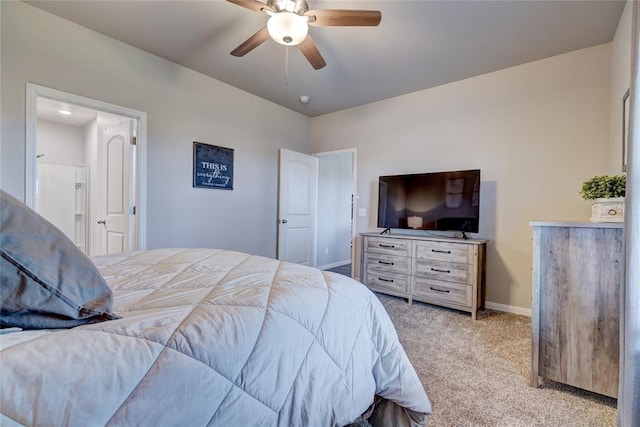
[(60, 143), (620, 83), (182, 106), (536, 131), (335, 173)]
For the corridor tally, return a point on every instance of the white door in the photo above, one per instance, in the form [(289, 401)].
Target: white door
[(114, 164), (297, 194)]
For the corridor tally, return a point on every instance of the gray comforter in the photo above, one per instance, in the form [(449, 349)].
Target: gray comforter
[(211, 337)]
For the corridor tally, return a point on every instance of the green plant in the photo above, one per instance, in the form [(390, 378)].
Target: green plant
[(604, 187)]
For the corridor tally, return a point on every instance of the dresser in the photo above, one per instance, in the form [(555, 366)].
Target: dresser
[(577, 272), (437, 270)]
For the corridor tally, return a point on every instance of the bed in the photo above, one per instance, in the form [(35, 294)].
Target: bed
[(197, 337)]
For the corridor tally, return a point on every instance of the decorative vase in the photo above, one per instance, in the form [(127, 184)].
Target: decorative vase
[(607, 210)]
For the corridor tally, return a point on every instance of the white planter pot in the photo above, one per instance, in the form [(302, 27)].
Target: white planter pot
[(607, 210)]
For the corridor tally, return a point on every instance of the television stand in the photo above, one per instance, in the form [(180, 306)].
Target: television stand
[(464, 235), (386, 231), (444, 271)]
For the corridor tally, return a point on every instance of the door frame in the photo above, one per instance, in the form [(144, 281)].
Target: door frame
[(33, 92), (354, 198)]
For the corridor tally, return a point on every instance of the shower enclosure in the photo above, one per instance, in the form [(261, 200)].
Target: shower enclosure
[(61, 198)]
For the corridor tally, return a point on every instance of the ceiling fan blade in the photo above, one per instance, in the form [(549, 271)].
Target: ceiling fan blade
[(336, 17), (251, 43), (254, 5), (310, 51)]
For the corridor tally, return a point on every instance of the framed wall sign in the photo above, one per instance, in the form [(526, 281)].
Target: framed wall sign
[(625, 130), (212, 166)]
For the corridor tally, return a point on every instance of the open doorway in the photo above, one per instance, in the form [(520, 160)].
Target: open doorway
[(316, 206), (85, 169), (336, 211)]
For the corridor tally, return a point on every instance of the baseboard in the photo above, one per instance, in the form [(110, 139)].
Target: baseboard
[(334, 264), (508, 308)]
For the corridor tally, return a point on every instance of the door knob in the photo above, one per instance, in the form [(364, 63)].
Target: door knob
[(103, 222), (284, 221)]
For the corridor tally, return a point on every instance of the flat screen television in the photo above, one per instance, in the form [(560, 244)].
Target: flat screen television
[(444, 201)]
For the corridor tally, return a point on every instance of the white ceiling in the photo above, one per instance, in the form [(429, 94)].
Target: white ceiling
[(419, 44), (48, 109)]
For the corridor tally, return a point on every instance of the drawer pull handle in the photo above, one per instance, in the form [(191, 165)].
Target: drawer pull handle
[(440, 271), (445, 291), (387, 246), (440, 252), (385, 262), (385, 280)]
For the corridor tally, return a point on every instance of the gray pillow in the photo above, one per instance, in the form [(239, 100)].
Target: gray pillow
[(45, 280)]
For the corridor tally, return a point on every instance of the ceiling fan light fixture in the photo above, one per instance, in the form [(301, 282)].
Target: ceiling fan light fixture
[(288, 28)]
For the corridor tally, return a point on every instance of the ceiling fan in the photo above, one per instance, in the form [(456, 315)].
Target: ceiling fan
[(289, 25)]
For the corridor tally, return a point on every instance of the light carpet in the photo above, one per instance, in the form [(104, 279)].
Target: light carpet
[(477, 373)]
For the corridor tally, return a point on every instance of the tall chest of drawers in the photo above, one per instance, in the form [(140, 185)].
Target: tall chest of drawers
[(578, 273), (437, 270)]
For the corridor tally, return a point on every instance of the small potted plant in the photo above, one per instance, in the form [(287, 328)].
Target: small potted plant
[(607, 193)]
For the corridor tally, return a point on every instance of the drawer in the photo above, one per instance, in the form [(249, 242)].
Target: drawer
[(387, 263), (445, 251), (441, 270), (442, 291), (391, 282), (389, 246)]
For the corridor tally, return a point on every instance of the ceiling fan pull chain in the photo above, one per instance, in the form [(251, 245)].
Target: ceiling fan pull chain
[(286, 65)]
